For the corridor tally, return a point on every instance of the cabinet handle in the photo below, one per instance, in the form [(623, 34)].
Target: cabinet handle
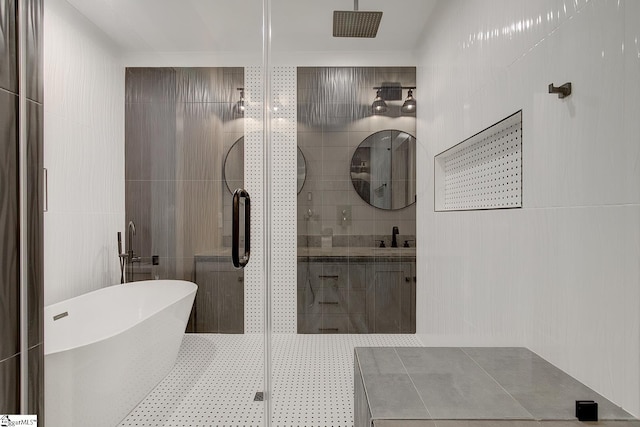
[(240, 279), (336, 277), (329, 329), (407, 279), (329, 302)]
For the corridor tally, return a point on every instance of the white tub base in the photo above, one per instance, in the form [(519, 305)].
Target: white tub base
[(99, 381)]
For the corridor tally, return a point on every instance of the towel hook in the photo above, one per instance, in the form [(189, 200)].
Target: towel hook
[(562, 91)]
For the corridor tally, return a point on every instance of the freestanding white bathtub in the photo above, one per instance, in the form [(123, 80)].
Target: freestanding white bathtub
[(111, 349)]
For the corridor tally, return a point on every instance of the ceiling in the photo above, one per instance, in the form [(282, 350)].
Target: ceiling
[(236, 25)]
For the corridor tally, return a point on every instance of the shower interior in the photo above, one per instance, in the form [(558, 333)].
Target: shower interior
[(475, 121), (183, 129), (88, 146)]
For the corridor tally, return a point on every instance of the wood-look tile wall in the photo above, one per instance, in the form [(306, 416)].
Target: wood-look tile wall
[(179, 125), (10, 351)]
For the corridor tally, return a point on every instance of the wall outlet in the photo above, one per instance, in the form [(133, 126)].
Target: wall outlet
[(343, 215)]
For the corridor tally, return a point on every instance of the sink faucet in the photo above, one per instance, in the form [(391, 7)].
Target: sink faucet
[(394, 233)]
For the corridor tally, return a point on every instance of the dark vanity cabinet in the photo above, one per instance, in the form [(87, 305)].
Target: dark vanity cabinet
[(365, 296), (391, 298), (331, 297), (219, 303)]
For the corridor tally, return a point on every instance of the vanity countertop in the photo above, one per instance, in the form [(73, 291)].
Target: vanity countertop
[(357, 254), (215, 255), (353, 254)]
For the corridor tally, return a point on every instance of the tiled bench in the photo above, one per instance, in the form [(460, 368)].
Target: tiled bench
[(472, 387)]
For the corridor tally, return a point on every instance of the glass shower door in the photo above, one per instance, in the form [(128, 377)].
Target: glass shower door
[(333, 285), (183, 84), (211, 103)]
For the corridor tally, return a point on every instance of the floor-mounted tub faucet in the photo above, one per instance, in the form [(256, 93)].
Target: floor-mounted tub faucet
[(131, 255), (132, 232)]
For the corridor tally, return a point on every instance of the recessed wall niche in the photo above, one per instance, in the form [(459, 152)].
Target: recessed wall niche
[(483, 171)]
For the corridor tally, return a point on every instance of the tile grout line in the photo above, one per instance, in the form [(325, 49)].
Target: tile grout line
[(499, 385), (414, 385)]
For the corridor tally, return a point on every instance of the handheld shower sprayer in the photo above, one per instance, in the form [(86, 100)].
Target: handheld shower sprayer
[(121, 257)]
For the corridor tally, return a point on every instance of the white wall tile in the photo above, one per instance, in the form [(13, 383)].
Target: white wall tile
[(254, 299), (559, 276), (283, 202), (84, 155)]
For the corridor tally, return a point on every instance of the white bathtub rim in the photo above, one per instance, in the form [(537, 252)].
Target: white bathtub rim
[(116, 332), (104, 337)]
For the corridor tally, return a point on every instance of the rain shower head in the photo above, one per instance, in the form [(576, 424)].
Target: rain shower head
[(356, 23)]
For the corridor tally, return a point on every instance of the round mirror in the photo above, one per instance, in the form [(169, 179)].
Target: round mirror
[(383, 169), (234, 167)]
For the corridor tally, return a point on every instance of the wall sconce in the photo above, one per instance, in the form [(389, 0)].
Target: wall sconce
[(240, 104), (393, 92), (379, 106), (409, 105)]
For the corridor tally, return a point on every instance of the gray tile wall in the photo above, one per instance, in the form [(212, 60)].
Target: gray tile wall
[(35, 80), (9, 245), (334, 117), (9, 213), (35, 218), (8, 46), (35, 197), (179, 124), (10, 385)]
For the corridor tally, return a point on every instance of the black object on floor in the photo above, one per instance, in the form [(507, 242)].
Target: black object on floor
[(586, 410)]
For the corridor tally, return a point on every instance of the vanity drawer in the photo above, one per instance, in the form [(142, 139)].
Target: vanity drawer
[(333, 301), (323, 324), (335, 324), (327, 300), (309, 323), (329, 275), (340, 275)]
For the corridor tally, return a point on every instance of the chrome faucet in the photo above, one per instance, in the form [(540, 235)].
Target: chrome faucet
[(394, 233), (130, 256), (132, 232)]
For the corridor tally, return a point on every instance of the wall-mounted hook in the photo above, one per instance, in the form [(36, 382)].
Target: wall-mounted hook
[(562, 91)]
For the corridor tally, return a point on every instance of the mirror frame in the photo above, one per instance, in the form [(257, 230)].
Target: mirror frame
[(351, 172), (300, 154)]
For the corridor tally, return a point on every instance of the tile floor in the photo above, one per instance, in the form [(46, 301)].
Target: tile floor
[(216, 377)]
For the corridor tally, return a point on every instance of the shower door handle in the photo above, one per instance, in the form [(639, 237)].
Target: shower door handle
[(238, 261)]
